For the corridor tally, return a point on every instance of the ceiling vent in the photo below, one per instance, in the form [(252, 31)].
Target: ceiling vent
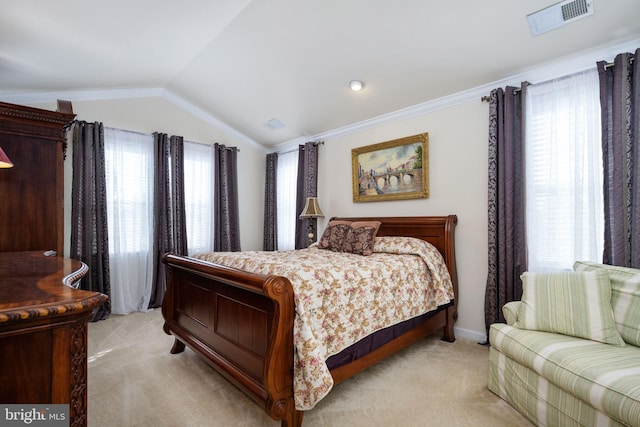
[(274, 124), (559, 14)]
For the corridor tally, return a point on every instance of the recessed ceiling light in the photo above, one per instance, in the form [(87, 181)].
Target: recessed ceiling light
[(356, 85)]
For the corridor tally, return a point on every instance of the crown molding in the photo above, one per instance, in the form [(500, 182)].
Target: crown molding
[(210, 118), (406, 113), (80, 95), (131, 93), (576, 63), (546, 72)]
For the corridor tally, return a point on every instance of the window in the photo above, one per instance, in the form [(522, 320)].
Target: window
[(287, 182), (198, 189), (129, 166), (129, 178), (564, 212)]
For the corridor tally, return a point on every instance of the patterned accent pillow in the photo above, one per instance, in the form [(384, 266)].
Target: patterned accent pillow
[(577, 304), (361, 238), (335, 235), (625, 297)]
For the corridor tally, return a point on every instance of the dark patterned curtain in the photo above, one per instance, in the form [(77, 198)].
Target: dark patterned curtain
[(169, 226), (89, 231), (620, 106), (226, 222), (270, 233), (507, 240), (307, 187)]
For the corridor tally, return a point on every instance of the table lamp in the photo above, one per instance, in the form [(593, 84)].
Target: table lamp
[(311, 210)]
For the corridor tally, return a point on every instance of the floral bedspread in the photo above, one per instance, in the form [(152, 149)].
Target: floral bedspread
[(340, 297)]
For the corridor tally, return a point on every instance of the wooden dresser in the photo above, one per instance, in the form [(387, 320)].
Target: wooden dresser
[(43, 331), (32, 191)]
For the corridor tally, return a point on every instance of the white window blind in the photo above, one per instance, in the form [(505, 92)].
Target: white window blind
[(287, 179), (129, 178), (564, 202), (198, 189)]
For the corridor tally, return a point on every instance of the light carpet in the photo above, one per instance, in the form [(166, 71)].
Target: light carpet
[(133, 380)]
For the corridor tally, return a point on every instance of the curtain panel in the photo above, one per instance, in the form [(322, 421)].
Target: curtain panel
[(307, 187), (226, 215), (89, 230), (620, 107), (270, 232), (506, 207), (170, 232)]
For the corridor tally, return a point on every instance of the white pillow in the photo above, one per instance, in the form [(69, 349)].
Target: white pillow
[(570, 303)]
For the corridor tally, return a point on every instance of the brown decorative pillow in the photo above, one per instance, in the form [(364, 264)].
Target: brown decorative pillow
[(361, 238), (335, 235)]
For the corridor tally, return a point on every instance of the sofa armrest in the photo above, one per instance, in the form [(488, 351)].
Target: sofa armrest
[(510, 312)]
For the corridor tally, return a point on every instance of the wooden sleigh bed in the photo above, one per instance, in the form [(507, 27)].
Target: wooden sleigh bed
[(242, 323)]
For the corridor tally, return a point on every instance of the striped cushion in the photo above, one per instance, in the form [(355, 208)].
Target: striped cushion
[(625, 297), (604, 376), (577, 304)]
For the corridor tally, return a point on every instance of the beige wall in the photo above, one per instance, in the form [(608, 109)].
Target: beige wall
[(458, 185), (457, 162), (457, 177), (148, 115)]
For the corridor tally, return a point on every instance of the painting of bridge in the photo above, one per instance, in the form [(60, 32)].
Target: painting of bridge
[(390, 170)]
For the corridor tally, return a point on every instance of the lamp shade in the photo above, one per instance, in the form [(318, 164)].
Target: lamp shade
[(4, 160), (312, 209)]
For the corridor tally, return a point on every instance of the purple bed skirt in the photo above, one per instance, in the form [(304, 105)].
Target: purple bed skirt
[(378, 339)]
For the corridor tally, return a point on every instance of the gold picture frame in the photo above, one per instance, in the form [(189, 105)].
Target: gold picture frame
[(391, 170)]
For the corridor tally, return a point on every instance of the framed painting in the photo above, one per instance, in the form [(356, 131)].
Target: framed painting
[(391, 170)]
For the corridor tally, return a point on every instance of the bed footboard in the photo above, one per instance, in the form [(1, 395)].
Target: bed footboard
[(242, 325)]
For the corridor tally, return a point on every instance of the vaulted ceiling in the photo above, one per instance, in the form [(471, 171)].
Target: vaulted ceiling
[(246, 62)]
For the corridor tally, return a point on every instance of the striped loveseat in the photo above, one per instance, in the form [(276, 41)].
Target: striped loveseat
[(569, 354)]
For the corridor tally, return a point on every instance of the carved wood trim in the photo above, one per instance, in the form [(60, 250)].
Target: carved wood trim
[(78, 375), (22, 120), (34, 114)]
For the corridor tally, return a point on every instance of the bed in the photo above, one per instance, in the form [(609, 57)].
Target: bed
[(242, 322)]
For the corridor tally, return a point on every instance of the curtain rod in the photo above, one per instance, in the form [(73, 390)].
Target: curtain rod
[(611, 64), (228, 148), (151, 134), (211, 145), (515, 91), (487, 98), (128, 131), (316, 143), (296, 149)]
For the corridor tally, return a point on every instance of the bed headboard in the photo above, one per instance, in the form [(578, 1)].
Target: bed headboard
[(437, 230)]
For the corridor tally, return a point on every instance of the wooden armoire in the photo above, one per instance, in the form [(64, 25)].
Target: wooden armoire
[(32, 191)]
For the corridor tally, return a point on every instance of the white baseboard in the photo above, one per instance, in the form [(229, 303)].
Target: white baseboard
[(479, 337)]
